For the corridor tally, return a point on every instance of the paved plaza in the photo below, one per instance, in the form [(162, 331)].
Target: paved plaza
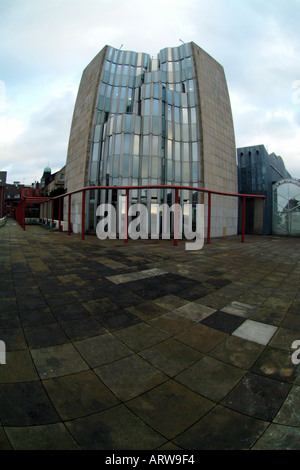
[(146, 346)]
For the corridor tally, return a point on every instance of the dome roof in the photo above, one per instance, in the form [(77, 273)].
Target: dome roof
[(47, 170)]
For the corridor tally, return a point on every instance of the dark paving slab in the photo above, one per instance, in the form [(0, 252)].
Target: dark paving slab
[(195, 355)]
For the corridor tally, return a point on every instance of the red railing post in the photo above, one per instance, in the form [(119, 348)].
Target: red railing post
[(208, 218), (244, 220), (52, 205), (69, 215), (59, 214), (176, 218), (83, 216), (23, 214)]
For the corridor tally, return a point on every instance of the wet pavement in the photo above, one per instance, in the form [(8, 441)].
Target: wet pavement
[(146, 346)]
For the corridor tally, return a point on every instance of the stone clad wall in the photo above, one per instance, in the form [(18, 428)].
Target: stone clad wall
[(219, 166), (80, 137)]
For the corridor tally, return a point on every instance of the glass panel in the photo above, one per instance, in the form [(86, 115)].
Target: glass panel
[(177, 172), (156, 90), (125, 169), (177, 131), (176, 114), (185, 133), (127, 140), (95, 152), (156, 107), (97, 133), (177, 99), (145, 163), (135, 166), (184, 101), (186, 172), (286, 215), (195, 172), (127, 57), (169, 113), (193, 128), (117, 149), (184, 116), (110, 53), (93, 176), (147, 107), (136, 145), (177, 151), (119, 124), (170, 171), (137, 125), (185, 154), (155, 124), (128, 123), (194, 151), (170, 129), (133, 58), (146, 145), (146, 126), (169, 149), (192, 99), (193, 116), (139, 59), (155, 146), (115, 171), (154, 167)]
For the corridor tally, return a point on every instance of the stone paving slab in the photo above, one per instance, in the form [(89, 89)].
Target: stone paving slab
[(146, 346)]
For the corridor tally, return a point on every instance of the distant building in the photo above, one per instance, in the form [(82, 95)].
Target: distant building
[(2, 193), (12, 197), (53, 184), (257, 172), (46, 178)]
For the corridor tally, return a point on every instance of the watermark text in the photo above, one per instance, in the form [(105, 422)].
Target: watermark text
[(139, 222)]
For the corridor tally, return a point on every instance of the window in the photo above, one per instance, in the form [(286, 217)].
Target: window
[(135, 166), (155, 146), (117, 150), (156, 107), (286, 207), (136, 145), (127, 141), (184, 114), (146, 145), (147, 107)]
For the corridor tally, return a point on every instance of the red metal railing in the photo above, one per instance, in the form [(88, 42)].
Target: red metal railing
[(20, 210)]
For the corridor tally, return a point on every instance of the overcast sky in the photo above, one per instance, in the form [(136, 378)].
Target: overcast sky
[(46, 44)]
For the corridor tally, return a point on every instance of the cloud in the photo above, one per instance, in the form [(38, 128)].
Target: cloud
[(42, 142)]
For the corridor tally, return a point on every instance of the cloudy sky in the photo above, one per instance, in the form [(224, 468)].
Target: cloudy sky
[(46, 44)]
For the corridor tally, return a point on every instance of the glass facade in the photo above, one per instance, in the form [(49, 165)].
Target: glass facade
[(146, 128), (286, 207)]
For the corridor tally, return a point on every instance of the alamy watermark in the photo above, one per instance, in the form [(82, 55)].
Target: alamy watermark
[(136, 222), (296, 354), (2, 352)]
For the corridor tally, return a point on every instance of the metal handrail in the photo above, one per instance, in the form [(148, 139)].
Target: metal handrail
[(127, 188)]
